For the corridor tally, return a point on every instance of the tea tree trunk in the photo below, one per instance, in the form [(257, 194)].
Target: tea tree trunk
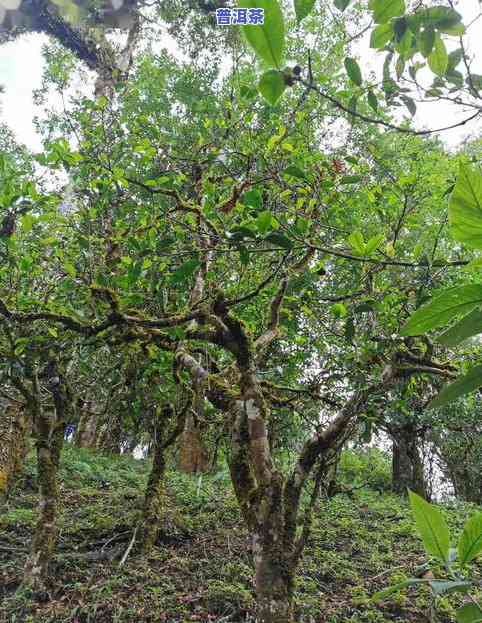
[(49, 445), (13, 445), (407, 465)]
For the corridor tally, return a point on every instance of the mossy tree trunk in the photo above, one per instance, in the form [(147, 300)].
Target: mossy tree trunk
[(165, 434), (49, 430), (86, 433), (407, 464), (44, 539), (193, 456), (274, 584), (109, 437), (272, 510), (13, 445)]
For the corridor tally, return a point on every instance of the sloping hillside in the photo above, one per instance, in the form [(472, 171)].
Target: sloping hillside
[(201, 570)]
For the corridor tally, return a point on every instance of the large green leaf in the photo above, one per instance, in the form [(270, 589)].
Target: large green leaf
[(372, 100), (432, 527), (470, 542), (381, 35), (357, 242), (465, 207), (384, 10), (303, 8), (184, 271), (438, 59), (268, 39), (462, 386), (426, 41), (469, 613), (467, 327), (264, 221), (444, 308), (443, 587), (442, 18), (342, 4), (353, 70), (394, 588), (272, 85)]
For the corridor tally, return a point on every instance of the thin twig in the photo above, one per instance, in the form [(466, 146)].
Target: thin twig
[(129, 548)]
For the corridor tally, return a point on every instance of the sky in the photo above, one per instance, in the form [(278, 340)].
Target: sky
[(21, 72)]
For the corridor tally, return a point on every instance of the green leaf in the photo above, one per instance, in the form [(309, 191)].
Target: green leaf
[(455, 58), (462, 386), (404, 45), (70, 269), (381, 35), (339, 310), (469, 613), (373, 243), (272, 86), (341, 5), (469, 326), (390, 590), (384, 10), (353, 70), (357, 242), (268, 39), (455, 77), (409, 103), (263, 221), (27, 222), (184, 271), (279, 240), (295, 171), (438, 59), (443, 587), (442, 309), (350, 179), (470, 542), (432, 527), (372, 100), (303, 8), (439, 17), (427, 41), (465, 207), (302, 225), (247, 92), (456, 31), (252, 199)]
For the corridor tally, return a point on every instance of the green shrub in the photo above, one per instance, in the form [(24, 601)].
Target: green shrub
[(367, 466)]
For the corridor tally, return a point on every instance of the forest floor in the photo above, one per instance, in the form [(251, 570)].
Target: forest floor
[(201, 568)]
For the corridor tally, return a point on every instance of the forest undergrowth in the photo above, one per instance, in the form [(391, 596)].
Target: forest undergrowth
[(200, 569)]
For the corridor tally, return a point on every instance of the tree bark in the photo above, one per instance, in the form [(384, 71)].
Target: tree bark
[(164, 435), (49, 445), (13, 447), (49, 427), (274, 581), (86, 433), (152, 511), (193, 456), (407, 465), (109, 436)]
